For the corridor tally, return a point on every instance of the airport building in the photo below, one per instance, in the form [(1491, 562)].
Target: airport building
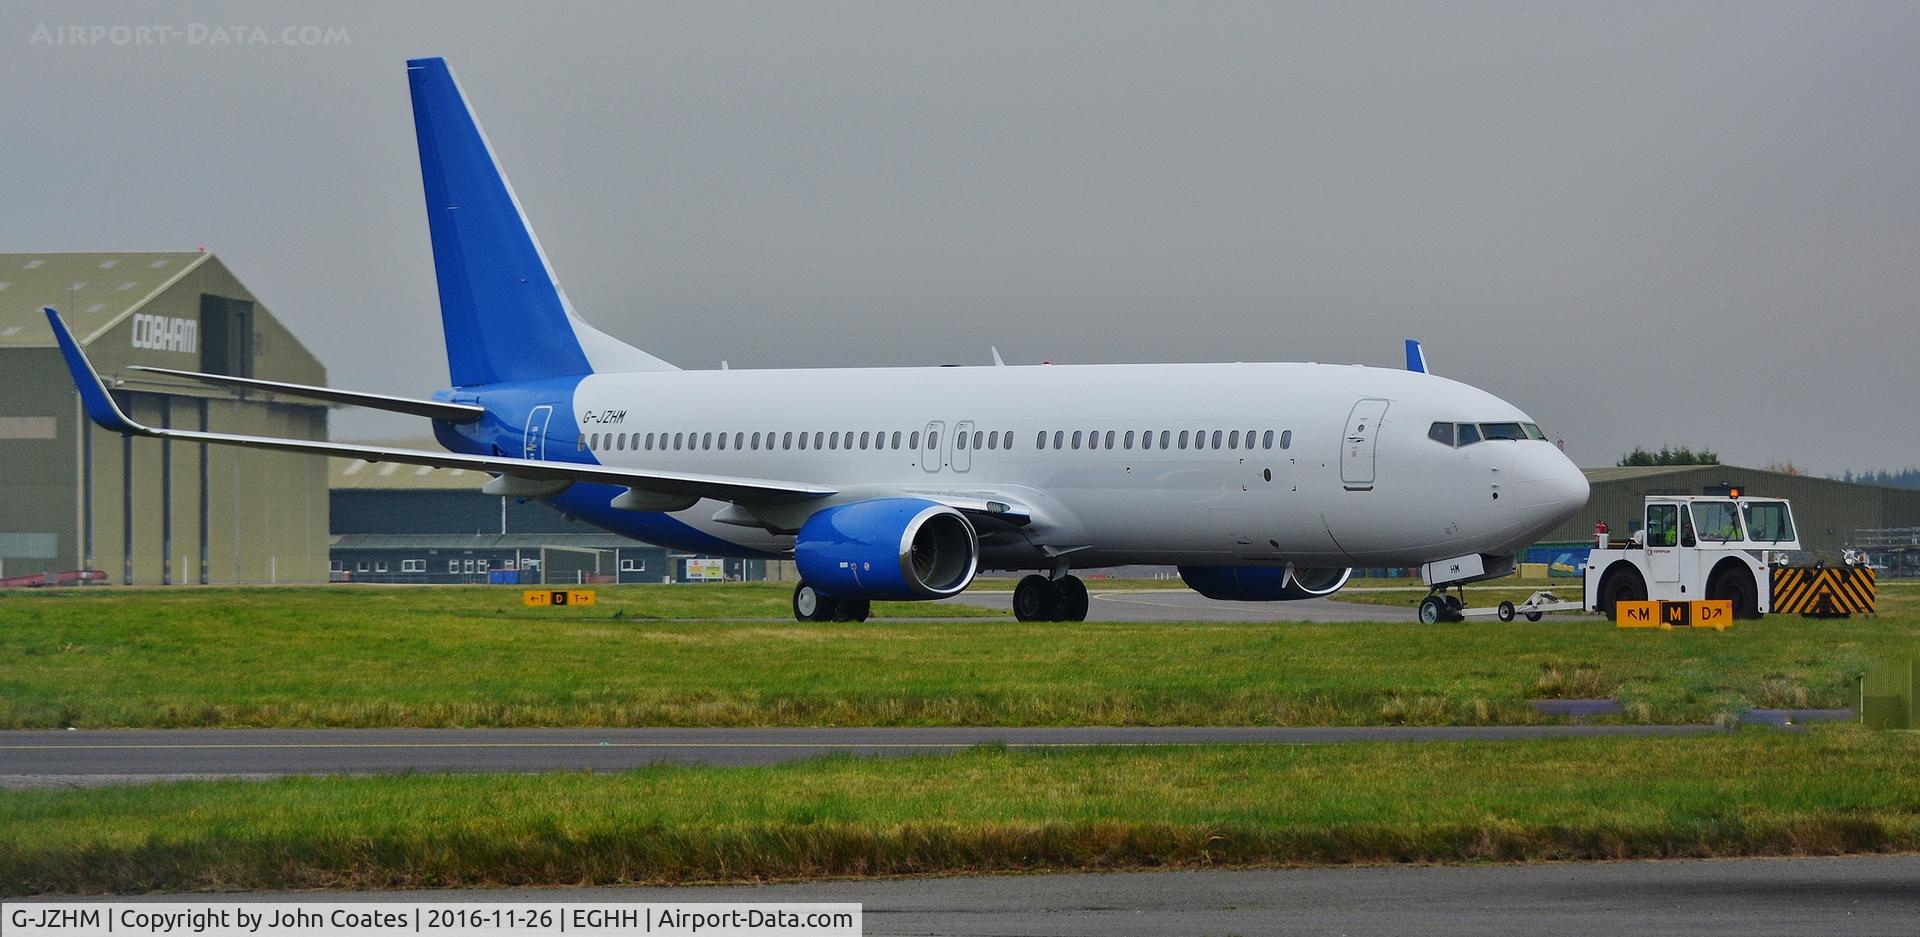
[(1831, 515), (407, 523), (149, 511)]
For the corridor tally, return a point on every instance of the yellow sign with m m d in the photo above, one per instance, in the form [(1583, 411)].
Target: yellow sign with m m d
[(1715, 613), (554, 598)]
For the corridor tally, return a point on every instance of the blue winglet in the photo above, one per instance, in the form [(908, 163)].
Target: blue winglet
[(1416, 357), (93, 393)]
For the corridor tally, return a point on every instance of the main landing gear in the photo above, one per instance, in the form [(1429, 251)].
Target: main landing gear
[(810, 605), (1438, 607), (1038, 598)]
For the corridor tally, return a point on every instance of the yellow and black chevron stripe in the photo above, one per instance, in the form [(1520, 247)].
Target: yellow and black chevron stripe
[(1824, 591)]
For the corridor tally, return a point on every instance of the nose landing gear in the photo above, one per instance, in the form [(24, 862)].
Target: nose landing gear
[(1038, 598)]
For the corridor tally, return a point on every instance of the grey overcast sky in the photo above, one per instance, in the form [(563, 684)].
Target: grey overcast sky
[(1655, 223)]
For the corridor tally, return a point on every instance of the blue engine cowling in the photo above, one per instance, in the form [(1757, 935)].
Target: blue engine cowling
[(1263, 583), (888, 548)]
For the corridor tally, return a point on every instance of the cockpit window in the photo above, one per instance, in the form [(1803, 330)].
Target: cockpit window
[(1533, 431), (1502, 431), (1441, 433), (1469, 434)]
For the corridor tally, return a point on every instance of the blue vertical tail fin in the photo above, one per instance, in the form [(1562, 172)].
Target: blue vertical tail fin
[(505, 316)]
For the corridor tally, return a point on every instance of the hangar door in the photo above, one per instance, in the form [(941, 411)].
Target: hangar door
[(1356, 447)]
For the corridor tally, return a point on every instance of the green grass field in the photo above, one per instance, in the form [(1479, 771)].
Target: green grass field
[(1752, 793), (678, 655)]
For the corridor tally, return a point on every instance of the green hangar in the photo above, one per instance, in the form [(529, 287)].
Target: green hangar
[(74, 497)]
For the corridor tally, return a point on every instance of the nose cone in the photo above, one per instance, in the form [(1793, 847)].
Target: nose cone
[(1547, 487)]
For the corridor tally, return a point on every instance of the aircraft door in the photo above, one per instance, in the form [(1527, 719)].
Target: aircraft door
[(1663, 541), (534, 445), (1357, 446), (930, 458), (962, 451)]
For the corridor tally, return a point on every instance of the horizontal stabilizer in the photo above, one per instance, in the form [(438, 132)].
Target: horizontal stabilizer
[(431, 409), (102, 409)]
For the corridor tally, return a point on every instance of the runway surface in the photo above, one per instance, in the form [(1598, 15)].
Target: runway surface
[(39, 759), (1874, 895)]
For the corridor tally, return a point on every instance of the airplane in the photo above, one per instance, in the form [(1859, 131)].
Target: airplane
[(1259, 481)]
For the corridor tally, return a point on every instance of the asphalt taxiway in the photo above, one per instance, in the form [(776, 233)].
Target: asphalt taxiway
[(1860, 895), (39, 759)]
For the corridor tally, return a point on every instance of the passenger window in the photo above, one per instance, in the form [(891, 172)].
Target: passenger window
[(1183, 439), (723, 440), (1146, 440), (1216, 439), (933, 440), (706, 441), (679, 441), (1469, 434), (803, 442), (1441, 433), (580, 444), (756, 441), (736, 439), (1266, 440), (1076, 439), (1166, 435), (977, 437), (864, 436), (1286, 439), (896, 439), (993, 440), (960, 441), (913, 440), (786, 441), (1006, 439), (1059, 439), (1040, 441), (833, 440), (818, 438), (1127, 443), (649, 442), (1233, 440), (1109, 439)]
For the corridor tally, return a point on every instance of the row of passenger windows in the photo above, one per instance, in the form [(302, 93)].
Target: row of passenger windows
[(1466, 434), (618, 442), (1168, 439), (978, 439)]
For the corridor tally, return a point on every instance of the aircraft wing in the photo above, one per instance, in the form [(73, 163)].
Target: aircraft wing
[(432, 409), (103, 410)]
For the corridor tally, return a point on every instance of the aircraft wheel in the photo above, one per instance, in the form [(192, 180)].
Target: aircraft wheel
[(1034, 599), (1504, 612), (1432, 610), (853, 610), (1070, 599), (810, 605)]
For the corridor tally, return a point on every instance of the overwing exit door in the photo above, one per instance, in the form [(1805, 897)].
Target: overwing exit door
[(1356, 447)]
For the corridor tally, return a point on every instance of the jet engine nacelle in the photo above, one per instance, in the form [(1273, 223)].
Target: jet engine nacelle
[(888, 548), (1263, 583)]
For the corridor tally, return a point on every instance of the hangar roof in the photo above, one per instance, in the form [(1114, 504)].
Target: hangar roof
[(92, 289), (585, 541), (1617, 473)]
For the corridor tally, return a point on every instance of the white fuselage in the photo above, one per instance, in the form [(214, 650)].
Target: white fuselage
[(1350, 476)]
